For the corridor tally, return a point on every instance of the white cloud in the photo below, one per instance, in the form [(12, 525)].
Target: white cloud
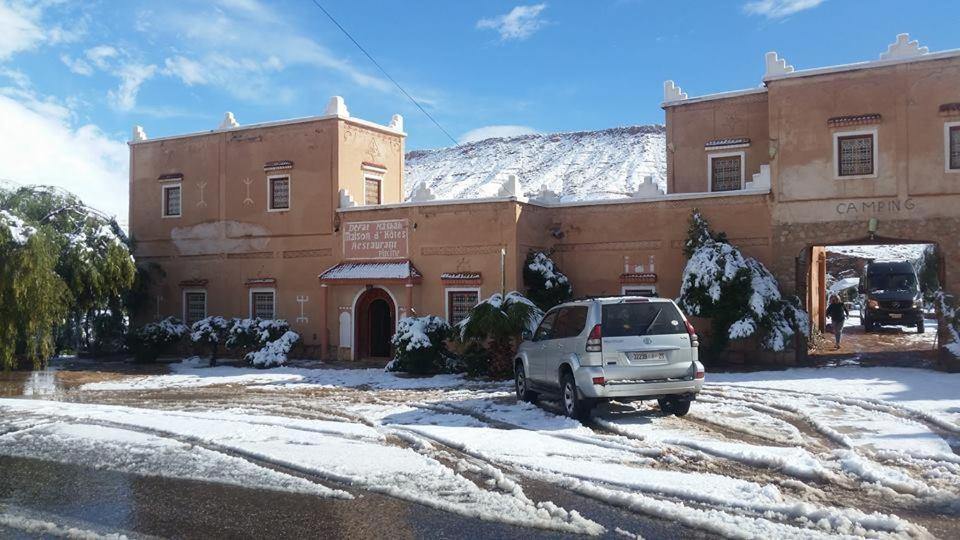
[(490, 132), (101, 54), (19, 29), (241, 45), (777, 9), (519, 24), (132, 76), (41, 146), (77, 65)]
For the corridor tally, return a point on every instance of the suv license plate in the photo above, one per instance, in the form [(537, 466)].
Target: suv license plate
[(895, 315), (647, 356)]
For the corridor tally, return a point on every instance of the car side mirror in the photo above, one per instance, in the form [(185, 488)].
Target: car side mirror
[(526, 335)]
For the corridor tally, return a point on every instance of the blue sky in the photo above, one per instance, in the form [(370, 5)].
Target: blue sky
[(75, 77)]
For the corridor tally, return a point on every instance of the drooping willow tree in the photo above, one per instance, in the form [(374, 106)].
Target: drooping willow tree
[(83, 259)]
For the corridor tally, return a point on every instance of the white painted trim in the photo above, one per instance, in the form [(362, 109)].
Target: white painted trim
[(863, 65), (946, 146), (163, 199), (836, 153), (743, 165), (353, 316), (275, 123), (446, 297), (570, 204), (651, 288), (260, 290), (371, 175), (183, 302), (711, 97), (270, 178)]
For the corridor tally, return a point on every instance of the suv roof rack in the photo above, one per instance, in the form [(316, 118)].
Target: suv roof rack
[(602, 296)]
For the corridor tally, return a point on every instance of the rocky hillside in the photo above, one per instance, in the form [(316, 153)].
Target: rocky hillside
[(582, 165)]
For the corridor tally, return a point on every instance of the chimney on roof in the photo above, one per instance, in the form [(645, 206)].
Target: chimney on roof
[(139, 134), (337, 106)]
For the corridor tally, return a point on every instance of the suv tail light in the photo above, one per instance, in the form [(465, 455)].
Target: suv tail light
[(595, 340), (699, 374), (694, 340)]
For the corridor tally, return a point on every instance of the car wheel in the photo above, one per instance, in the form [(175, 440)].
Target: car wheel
[(678, 407), (523, 391), (574, 406), (920, 327)]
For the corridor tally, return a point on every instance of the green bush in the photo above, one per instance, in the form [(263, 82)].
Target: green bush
[(211, 334), (420, 344), (546, 285), (152, 339)]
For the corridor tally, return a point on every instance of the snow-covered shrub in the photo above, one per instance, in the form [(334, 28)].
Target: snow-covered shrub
[(420, 345), (212, 333), (950, 316), (252, 334), (497, 324), (737, 293), (274, 353), (152, 339), (546, 285)]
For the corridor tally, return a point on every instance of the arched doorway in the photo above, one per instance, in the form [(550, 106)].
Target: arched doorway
[(375, 324)]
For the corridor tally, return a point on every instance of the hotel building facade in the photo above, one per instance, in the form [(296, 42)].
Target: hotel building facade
[(306, 220)]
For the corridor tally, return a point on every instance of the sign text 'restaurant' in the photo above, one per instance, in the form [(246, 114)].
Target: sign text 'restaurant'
[(376, 239)]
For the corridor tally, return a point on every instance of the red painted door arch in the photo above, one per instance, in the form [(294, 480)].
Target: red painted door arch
[(375, 323)]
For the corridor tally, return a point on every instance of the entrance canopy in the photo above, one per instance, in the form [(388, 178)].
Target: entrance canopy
[(401, 271)]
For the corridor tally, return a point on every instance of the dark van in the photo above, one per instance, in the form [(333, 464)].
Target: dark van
[(891, 295)]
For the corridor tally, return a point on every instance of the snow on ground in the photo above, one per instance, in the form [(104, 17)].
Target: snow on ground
[(892, 252), (194, 373), (799, 453)]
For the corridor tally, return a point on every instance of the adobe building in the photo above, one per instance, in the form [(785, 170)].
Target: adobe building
[(305, 219)]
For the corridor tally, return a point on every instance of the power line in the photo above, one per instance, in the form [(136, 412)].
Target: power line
[(387, 75)]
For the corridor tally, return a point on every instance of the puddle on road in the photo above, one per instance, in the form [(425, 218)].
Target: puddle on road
[(67, 374)]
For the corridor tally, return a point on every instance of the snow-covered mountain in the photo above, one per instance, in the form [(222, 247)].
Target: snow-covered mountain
[(582, 165)]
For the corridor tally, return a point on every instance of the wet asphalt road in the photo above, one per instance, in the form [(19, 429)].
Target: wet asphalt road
[(109, 502)]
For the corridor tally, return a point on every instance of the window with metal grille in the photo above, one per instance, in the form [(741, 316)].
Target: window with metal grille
[(171, 200), (262, 304), (194, 306), (955, 148), (372, 191), (280, 193), (855, 155), (460, 303), (725, 173)]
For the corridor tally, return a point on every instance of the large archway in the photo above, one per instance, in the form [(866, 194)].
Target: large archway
[(883, 324), (375, 322)]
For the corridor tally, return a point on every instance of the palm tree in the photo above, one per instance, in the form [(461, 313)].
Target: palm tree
[(498, 322)]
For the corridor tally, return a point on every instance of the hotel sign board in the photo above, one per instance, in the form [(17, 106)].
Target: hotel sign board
[(371, 240)]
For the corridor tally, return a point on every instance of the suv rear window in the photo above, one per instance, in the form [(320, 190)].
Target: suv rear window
[(646, 319), (570, 322)]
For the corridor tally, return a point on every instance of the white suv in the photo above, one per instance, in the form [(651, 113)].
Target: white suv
[(625, 348)]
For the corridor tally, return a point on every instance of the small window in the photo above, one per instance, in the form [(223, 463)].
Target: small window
[(171, 200), (953, 147), (279, 192), (194, 306), (855, 155), (726, 173), (570, 322), (263, 304), (459, 304), (372, 190), (546, 327)]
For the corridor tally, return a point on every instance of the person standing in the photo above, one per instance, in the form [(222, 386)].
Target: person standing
[(838, 314)]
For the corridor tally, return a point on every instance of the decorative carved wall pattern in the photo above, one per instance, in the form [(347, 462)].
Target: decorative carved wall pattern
[(610, 246), (301, 253), (459, 250)]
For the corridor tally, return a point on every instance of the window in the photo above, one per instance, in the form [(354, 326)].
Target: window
[(372, 191), (855, 154), (263, 303), (546, 327), (726, 171), (279, 191), (641, 319), (171, 200), (194, 306), (951, 135), (570, 322), (460, 302)]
